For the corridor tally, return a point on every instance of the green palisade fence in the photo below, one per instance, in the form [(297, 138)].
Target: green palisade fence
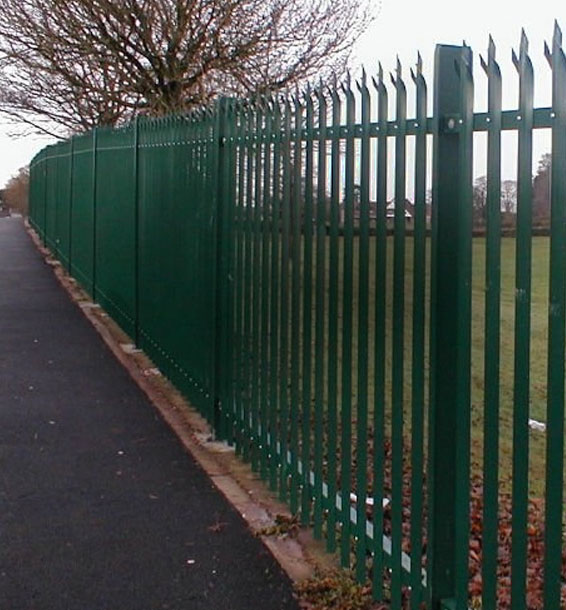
[(377, 363)]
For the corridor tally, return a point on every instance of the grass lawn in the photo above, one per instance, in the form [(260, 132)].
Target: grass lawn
[(538, 365), (539, 319)]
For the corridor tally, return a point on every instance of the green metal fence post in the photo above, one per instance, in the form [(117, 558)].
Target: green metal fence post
[(490, 531), (222, 340), (44, 184), (418, 356), (347, 326), (94, 236), (522, 338), (450, 335), (557, 335), (71, 163), (380, 275), (398, 338), (136, 233)]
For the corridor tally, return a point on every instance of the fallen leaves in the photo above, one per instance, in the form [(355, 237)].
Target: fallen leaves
[(284, 526), (335, 590)]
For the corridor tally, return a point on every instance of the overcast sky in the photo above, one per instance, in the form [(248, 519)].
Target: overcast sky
[(407, 26)]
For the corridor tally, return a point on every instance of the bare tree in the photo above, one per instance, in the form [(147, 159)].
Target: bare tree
[(541, 189), (71, 65), (509, 196), (479, 197), (15, 193)]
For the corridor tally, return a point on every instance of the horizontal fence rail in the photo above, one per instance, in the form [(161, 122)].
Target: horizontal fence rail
[(378, 362)]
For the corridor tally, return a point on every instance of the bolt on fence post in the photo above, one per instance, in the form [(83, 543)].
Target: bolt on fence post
[(449, 427)]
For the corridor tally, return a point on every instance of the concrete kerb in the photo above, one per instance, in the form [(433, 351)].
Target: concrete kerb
[(299, 556)]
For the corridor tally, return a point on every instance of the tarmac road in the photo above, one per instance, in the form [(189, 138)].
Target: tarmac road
[(100, 506)]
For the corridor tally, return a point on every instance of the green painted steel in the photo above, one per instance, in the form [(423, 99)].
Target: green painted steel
[(278, 259), (115, 246), (557, 334), (177, 317), (275, 406), (246, 336), (82, 217), (307, 277), (398, 341), (418, 340), (449, 358), (363, 335), (296, 293), (333, 309), (224, 238), (256, 292), (521, 398), (379, 370), (94, 208), (347, 281), (62, 195), (492, 336), (464, 329), (266, 196), (284, 316), (239, 223), (51, 198), (320, 316)]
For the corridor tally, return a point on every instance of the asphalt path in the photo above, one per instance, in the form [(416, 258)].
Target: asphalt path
[(101, 508)]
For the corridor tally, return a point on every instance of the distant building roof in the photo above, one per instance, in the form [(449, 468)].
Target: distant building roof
[(409, 209)]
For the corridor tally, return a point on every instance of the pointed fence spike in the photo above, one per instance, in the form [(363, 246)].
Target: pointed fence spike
[(548, 54), (419, 63), (413, 75), (491, 48), (333, 88), (515, 59), (310, 96), (362, 84), (484, 65), (524, 49), (557, 37), (347, 84), (379, 82), (467, 61)]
